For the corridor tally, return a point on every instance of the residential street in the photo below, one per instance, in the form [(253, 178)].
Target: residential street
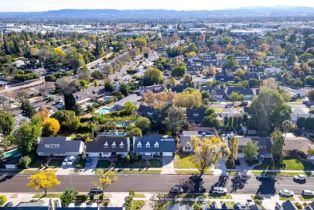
[(160, 183)]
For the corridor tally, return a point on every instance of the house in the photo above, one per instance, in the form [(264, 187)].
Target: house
[(194, 67), (298, 145), (187, 136), (299, 111), (286, 205), (146, 111), (154, 144), (119, 105), (224, 78), (263, 144), (248, 93), (242, 59), (108, 146), (195, 115), (218, 94), (209, 60), (59, 147), (152, 88)]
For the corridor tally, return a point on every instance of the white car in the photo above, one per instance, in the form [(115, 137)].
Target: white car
[(65, 161), (300, 178), (286, 193), (308, 193), (219, 190)]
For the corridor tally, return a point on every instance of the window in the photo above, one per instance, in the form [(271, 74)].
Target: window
[(121, 145), (147, 145), (52, 146), (196, 115), (139, 145), (106, 145), (113, 145), (156, 145)]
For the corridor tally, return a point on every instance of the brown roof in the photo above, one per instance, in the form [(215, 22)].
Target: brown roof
[(298, 143)]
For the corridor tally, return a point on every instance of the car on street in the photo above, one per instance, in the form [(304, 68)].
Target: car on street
[(307, 193), (264, 177), (176, 190), (286, 193), (95, 190), (299, 178), (219, 190)]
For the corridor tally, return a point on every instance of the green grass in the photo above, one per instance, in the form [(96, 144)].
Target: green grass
[(192, 172), (139, 195), (32, 171), (302, 198), (38, 162), (286, 198), (230, 204), (281, 173), (103, 164), (193, 195), (123, 164), (214, 196), (55, 163), (155, 163), (289, 163), (144, 171), (49, 195), (183, 161), (137, 205), (80, 163)]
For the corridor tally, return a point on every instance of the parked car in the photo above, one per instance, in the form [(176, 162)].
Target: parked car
[(65, 161), (264, 177), (299, 178), (176, 190), (286, 193), (219, 190), (308, 193), (239, 205), (95, 190), (8, 204)]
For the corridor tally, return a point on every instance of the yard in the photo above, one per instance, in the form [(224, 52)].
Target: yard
[(183, 161), (125, 164), (288, 163), (55, 163), (38, 162), (103, 164), (154, 163)]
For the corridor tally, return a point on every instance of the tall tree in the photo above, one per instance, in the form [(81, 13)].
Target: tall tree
[(43, 180), (234, 144), (262, 109), (69, 102), (207, 152), (175, 119), (68, 196), (27, 134), (277, 146), (27, 109), (250, 151), (51, 127), (6, 123), (152, 76)]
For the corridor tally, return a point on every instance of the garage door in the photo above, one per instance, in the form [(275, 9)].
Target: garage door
[(167, 154)]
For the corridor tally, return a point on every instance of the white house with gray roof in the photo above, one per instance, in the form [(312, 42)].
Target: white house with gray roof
[(59, 147)]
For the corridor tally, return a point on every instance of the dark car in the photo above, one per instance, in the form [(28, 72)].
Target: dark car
[(264, 177), (95, 190), (8, 204), (176, 190)]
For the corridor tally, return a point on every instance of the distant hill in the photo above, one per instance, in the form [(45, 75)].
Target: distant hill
[(110, 14)]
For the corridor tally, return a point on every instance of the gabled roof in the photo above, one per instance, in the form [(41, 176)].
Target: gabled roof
[(298, 143), (195, 114), (58, 145), (104, 143), (153, 143), (146, 111), (240, 90)]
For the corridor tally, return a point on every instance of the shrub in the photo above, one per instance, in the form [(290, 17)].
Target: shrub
[(298, 205), (3, 199), (24, 162)]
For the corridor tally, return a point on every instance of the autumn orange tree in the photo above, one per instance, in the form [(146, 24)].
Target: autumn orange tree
[(43, 180), (51, 127), (105, 178)]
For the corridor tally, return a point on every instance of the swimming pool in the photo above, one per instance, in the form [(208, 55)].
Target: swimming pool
[(104, 110)]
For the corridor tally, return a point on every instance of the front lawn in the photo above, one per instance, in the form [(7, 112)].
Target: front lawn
[(125, 164), (103, 164), (137, 204), (80, 163), (38, 162), (154, 163), (55, 163), (183, 161), (288, 163)]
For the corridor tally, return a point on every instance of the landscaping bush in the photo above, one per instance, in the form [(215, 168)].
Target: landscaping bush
[(81, 197), (3, 199), (298, 205), (24, 162)]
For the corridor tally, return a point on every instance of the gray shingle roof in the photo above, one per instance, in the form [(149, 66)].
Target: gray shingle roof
[(165, 144), (104, 143), (57, 145)]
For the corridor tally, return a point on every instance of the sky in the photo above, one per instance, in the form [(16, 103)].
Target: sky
[(44, 5)]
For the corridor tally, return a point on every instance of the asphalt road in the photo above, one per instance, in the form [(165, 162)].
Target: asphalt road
[(162, 183)]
